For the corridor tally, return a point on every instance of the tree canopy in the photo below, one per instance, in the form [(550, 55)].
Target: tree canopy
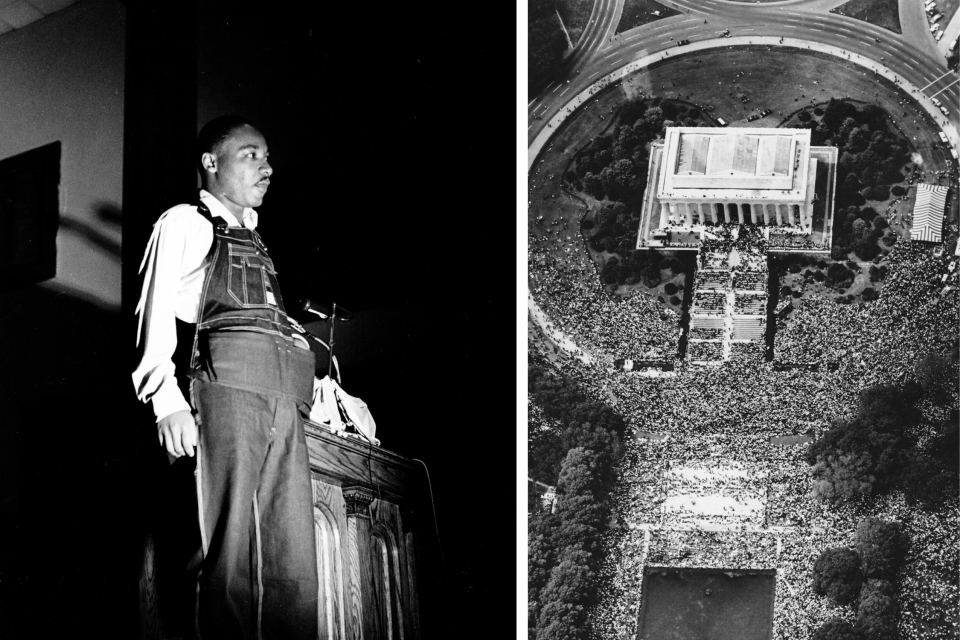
[(863, 456), (836, 629), (882, 546), (877, 613), (836, 574)]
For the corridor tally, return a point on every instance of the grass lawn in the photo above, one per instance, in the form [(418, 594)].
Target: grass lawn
[(708, 78), (947, 8), (883, 13), (707, 604), (638, 12), (576, 14)]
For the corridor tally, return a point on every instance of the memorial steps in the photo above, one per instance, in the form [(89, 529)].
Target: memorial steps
[(729, 304)]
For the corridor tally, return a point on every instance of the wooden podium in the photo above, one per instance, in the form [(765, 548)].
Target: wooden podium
[(364, 502)]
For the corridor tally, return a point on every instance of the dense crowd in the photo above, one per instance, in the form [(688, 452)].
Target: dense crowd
[(705, 351), (709, 302), (750, 304), (726, 415), (750, 280)]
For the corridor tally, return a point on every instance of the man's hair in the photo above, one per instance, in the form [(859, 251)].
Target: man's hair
[(213, 134)]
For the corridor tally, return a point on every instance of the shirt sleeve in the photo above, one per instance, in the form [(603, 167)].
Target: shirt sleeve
[(162, 266)]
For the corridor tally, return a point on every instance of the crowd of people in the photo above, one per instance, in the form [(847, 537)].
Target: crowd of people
[(727, 414), (750, 304), (709, 302)]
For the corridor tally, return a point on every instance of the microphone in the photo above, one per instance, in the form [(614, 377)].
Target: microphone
[(326, 311)]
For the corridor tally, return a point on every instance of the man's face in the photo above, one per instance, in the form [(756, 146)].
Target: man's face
[(239, 174)]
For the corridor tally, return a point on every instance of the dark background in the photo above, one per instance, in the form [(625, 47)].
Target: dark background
[(392, 131)]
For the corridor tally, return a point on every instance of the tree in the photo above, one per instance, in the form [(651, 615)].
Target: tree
[(580, 513), (593, 185), (882, 546), (863, 456), (541, 552), (877, 192), (838, 276), (651, 275), (843, 476), (836, 574), (836, 629), (631, 110), (836, 112), (652, 122), (869, 294), (877, 614), (545, 46), (566, 598), (933, 374)]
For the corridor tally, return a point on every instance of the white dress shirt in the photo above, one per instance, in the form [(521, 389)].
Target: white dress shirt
[(175, 263)]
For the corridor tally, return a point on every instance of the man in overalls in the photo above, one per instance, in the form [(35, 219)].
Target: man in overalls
[(213, 329)]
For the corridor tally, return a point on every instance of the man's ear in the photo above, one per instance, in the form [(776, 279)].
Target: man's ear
[(209, 162)]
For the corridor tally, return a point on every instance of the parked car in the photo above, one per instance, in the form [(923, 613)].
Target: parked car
[(721, 122), (935, 101), (765, 113), (944, 110), (682, 42), (943, 137)]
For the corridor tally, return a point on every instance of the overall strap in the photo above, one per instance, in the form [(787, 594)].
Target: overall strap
[(218, 224)]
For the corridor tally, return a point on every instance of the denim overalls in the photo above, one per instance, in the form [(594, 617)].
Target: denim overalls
[(250, 385)]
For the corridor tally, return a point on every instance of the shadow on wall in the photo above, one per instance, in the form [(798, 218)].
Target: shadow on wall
[(111, 218), (73, 436)]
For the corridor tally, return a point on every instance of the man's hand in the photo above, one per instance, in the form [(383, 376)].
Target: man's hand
[(178, 434)]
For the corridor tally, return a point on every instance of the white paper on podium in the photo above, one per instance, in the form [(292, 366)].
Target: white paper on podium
[(335, 407)]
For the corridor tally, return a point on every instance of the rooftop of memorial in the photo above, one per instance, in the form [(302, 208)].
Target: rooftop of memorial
[(720, 163)]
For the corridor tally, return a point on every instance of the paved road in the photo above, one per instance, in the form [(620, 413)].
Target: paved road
[(913, 55)]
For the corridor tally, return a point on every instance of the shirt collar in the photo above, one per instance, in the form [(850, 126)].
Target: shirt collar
[(217, 209)]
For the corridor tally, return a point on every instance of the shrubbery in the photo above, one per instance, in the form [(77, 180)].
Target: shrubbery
[(546, 41), (863, 456), (836, 629), (876, 192), (855, 230), (873, 452), (836, 574), (881, 546), (877, 613), (614, 167), (564, 548)]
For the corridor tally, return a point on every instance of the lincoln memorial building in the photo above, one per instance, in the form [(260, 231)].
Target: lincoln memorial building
[(704, 176)]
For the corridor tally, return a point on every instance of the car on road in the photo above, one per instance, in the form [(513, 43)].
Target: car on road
[(943, 136)]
